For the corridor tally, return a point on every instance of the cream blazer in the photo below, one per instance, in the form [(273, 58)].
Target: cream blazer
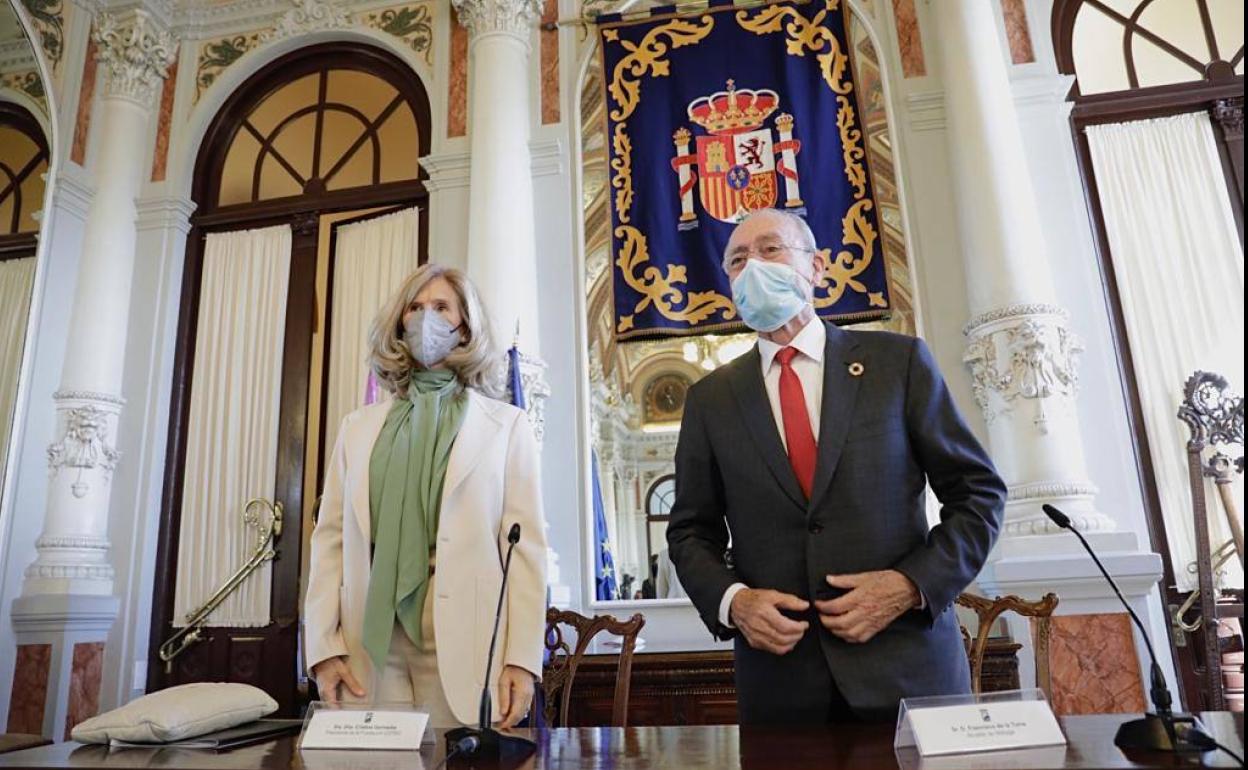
[(492, 481)]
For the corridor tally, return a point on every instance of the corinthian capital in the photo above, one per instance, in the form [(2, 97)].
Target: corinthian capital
[(136, 54), (515, 17)]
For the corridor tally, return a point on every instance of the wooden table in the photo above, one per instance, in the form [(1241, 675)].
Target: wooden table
[(680, 748)]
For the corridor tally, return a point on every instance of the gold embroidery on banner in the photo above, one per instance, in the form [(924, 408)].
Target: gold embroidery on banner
[(646, 57), (851, 151), (804, 34), (659, 289), (622, 179), (842, 273)]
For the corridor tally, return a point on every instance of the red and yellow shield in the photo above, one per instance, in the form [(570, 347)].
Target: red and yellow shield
[(737, 174)]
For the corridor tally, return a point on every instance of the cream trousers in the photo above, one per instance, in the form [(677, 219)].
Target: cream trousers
[(410, 675)]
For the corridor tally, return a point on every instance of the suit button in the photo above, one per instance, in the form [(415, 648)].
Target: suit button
[(815, 528)]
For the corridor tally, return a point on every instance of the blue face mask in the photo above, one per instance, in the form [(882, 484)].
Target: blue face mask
[(769, 294)]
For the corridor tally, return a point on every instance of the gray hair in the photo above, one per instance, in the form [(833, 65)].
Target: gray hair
[(805, 237), (475, 361)]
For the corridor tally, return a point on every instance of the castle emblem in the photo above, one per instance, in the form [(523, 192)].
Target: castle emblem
[(738, 163)]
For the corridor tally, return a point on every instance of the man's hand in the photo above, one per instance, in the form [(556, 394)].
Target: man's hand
[(515, 693), (756, 612), (330, 673), (874, 601)]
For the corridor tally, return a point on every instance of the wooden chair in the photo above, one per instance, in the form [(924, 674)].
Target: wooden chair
[(988, 610), (560, 671)]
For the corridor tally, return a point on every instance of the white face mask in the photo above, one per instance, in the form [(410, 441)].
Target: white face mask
[(430, 337), (769, 294)]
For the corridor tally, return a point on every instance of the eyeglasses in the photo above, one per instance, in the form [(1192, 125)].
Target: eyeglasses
[(772, 251)]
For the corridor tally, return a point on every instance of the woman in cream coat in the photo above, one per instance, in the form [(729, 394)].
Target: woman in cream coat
[(489, 477)]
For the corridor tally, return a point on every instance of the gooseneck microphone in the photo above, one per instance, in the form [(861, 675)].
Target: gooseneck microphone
[(483, 741), (1162, 729)]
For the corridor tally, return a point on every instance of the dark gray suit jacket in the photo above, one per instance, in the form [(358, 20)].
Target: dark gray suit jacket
[(881, 435)]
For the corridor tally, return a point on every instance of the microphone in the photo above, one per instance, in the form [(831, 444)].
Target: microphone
[(1155, 731), (489, 743)]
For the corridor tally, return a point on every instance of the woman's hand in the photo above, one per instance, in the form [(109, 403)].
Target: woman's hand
[(331, 672), (515, 693)]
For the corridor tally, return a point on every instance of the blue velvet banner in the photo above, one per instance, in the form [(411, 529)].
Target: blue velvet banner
[(715, 114)]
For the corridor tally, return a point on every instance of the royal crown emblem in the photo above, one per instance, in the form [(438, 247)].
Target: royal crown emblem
[(737, 158)]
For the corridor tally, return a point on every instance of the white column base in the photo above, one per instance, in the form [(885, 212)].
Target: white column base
[(1032, 566), (63, 622), (73, 549)]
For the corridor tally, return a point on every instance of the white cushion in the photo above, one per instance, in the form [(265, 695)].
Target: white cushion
[(178, 713)]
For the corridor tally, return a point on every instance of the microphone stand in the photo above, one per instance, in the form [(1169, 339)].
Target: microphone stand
[(483, 742), (1160, 729)]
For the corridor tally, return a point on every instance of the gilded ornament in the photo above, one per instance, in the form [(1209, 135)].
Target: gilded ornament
[(660, 288), (646, 58), (622, 179), (842, 272)]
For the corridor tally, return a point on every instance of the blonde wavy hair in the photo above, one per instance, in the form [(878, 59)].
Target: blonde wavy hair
[(475, 362)]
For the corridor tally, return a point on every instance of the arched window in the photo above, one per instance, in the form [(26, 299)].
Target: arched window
[(314, 128), (23, 164), (1124, 45)]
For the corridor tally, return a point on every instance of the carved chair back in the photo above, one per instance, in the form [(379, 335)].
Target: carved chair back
[(563, 660), (988, 610)]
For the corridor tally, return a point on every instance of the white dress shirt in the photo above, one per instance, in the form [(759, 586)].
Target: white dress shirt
[(808, 366)]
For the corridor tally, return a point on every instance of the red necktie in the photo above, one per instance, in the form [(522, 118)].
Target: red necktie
[(797, 432)]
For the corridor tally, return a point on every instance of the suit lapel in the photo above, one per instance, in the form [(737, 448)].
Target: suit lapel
[(751, 394), (840, 391), (478, 429)]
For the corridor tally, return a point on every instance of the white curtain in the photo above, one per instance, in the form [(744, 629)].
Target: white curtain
[(1179, 265), (17, 276), (231, 451), (371, 259)]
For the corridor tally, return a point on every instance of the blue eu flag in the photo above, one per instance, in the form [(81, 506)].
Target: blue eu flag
[(605, 587)]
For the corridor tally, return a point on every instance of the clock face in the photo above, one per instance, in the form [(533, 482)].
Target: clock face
[(665, 398)]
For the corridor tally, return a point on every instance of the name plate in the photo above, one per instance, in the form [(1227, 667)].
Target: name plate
[(364, 729), (984, 727)]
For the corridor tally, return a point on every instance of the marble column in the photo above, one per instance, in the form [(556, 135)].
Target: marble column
[(1023, 358), (67, 597), (502, 252), (1022, 353), (502, 246)]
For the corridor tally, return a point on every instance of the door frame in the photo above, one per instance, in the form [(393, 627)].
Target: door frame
[(303, 214), (1220, 86)]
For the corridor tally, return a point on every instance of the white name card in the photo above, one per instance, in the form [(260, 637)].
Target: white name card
[(362, 729), (984, 727)]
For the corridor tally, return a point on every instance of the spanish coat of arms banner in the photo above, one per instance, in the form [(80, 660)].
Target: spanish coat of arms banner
[(715, 114)]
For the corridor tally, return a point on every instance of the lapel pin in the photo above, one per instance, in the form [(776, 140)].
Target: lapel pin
[(856, 369)]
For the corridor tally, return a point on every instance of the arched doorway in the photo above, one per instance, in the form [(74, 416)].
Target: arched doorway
[(23, 167), (1135, 62), (321, 137)]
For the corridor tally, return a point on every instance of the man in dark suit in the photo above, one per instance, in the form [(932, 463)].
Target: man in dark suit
[(812, 451)]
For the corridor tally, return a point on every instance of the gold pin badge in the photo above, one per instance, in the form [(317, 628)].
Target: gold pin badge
[(856, 369)]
